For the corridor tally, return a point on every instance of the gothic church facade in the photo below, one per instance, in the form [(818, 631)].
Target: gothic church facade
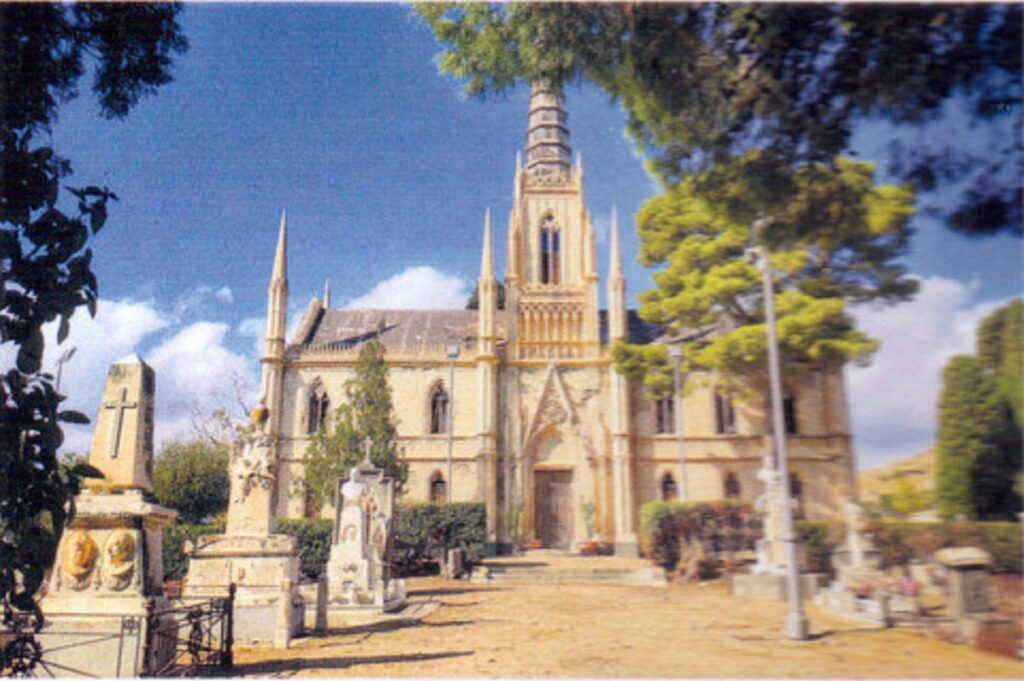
[(543, 430)]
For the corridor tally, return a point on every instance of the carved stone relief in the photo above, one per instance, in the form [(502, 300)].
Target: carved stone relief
[(80, 554), (120, 555)]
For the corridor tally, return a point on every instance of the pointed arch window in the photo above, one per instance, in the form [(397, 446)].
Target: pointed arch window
[(731, 486), (725, 414), (439, 410), (665, 415), (796, 494), (669, 489), (319, 408), (789, 413), (550, 265), (438, 487)]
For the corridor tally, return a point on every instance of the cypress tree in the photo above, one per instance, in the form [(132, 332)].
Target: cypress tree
[(367, 414)]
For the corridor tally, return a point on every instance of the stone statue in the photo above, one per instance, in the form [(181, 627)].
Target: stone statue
[(253, 464)]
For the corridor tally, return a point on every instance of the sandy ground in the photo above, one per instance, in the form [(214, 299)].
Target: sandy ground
[(590, 630)]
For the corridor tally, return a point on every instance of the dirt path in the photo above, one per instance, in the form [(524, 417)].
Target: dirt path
[(585, 630)]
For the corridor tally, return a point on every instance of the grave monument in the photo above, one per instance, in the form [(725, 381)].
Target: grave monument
[(263, 565), (358, 572), (110, 558)]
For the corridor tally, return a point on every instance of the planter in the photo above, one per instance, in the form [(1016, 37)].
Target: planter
[(532, 544), (590, 548)]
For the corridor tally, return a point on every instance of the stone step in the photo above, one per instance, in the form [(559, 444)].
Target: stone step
[(559, 568)]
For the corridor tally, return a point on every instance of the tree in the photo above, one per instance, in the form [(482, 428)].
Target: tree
[(703, 83), (46, 264), (1001, 351), (474, 299), (834, 237), (366, 415), (192, 477)]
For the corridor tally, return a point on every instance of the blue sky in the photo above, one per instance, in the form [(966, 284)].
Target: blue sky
[(337, 113)]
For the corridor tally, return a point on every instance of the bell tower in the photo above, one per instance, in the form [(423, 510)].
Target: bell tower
[(551, 277)]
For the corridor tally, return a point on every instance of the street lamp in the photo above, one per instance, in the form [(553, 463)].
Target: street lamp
[(453, 354), (796, 619), (68, 354), (676, 353)]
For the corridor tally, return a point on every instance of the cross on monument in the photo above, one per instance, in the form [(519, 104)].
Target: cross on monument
[(115, 426), (367, 447)]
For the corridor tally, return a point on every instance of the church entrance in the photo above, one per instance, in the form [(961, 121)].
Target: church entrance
[(553, 508)]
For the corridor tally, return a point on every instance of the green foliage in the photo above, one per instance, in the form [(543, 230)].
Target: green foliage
[(702, 83), (367, 414), (425, 529), (175, 536), (474, 299), (47, 271), (314, 536), (819, 539), (906, 499), (668, 527), (1001, 351), (835, 238), (192, 477), (900, 542)]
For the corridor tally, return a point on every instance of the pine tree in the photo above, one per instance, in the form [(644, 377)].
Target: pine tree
[(367, 414)]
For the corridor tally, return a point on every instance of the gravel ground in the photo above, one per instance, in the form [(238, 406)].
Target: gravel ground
[(602, 631)]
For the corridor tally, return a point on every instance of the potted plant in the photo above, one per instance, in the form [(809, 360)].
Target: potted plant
[(592, 546)]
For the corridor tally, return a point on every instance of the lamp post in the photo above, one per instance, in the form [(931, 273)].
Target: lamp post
[(676, 353), (61, 361), (796, 619), (453, 354)]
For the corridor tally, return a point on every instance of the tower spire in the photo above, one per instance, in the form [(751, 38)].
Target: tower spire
[(617, 322), (547, 134), (281, 256), (487, 260), (327, 294), (615, 266)]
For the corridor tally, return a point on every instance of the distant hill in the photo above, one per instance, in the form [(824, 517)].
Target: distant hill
[(918, 469)]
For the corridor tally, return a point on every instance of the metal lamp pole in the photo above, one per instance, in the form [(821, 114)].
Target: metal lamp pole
[(453, 354), (796, 619), (676, 353)]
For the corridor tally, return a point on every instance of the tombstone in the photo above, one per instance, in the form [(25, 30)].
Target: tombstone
[(968, 600), (110, 558), (857, 552), (263, 565), (358, 570)]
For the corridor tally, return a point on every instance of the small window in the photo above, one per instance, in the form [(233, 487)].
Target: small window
[(796, 493), (665, 415), (439, 411), (669, 491), (789, 413), (549, 252), (725, 414), (438, 488), (732, 486), (319, 406)]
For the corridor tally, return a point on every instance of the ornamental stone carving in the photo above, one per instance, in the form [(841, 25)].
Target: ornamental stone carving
[(80, 555), (552, 413), (120, 553), (253, 464)]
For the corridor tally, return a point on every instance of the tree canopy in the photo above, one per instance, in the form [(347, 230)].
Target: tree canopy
[(366, 415), (834, 240), (46, 262), (192, 477), (703, 83)]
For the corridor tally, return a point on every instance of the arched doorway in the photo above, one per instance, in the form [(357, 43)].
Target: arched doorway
[(553, 508)]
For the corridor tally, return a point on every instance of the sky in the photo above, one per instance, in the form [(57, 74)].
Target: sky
[(338, 114)]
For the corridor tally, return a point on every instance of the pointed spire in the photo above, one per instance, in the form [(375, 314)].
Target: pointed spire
[(615, 268), (281, 257), (327, 294), (487, 261)]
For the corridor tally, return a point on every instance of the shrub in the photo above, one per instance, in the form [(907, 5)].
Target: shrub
[(901, 542), (314, 537), (819, 539), (424, 529), (705, 532)]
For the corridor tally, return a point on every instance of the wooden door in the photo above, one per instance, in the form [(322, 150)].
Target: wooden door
[(553, 508)]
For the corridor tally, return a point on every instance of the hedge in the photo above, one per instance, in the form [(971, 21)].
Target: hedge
[(421, 531), (900, 542), (696, 534)]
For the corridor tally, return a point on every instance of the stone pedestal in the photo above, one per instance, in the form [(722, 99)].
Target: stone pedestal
[(264, 566), (358, 576), (968, 601), (109, 564)]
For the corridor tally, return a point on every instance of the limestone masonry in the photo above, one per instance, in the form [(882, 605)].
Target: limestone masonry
[(542, 425)]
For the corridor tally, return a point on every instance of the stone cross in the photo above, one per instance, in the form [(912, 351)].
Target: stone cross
[(367, 448), (122, 445), (117, 424)]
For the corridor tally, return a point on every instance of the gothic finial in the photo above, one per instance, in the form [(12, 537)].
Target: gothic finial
[(615, 267), (487, 260), (327, 294), (281, 257)]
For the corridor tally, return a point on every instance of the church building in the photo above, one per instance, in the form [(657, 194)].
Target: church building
[(538, 424)]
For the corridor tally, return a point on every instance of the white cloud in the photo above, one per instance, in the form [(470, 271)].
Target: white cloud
[(224, 295), (893, 402), (416, 288), (201, 300)]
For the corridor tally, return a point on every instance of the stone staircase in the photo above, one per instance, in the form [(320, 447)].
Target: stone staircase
[(549, 566)]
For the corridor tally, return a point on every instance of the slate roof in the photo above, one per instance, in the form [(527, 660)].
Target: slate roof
[(412, 330)]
